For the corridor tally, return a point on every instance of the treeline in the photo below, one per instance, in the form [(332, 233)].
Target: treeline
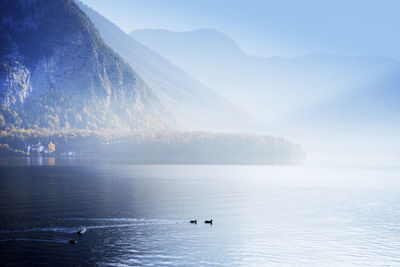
[(7, 151), (154, 144)]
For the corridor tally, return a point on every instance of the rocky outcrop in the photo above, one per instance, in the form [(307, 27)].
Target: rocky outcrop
[(15, 84)]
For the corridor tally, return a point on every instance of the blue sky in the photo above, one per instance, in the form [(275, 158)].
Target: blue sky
[(272, 28)]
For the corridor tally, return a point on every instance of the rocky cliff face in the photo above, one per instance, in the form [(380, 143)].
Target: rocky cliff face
[(15, 82), (57, 72)]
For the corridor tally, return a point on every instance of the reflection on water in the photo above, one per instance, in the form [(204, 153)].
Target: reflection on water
[(32, 161), (51, 161), (138, 214)]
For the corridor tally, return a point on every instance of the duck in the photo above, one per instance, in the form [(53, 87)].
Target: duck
[(193, 221), (81, 232), (73, 241), (209, 222)]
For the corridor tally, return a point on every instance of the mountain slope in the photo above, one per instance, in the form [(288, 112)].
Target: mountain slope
[(177, 91), (276, 89), (56, 72)]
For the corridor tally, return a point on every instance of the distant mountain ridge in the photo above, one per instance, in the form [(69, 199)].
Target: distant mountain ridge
[(56, 72), (275, 89), (180, 93)]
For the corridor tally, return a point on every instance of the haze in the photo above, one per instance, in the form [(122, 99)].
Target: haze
[(324, 74), (199, 133), (272, 28)]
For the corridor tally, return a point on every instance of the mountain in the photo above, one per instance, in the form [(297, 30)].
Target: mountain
[(63, 89), (276, 89), (56, 72), (180, 93)]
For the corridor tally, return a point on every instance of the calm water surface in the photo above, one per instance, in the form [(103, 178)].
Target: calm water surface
[(138, 215)]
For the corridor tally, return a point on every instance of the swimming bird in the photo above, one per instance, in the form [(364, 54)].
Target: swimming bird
[(193, 221), (81, 232), (72, 241), (209, 222)]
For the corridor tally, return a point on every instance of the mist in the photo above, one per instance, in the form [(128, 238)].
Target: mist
[(331, 104), (199, 133), (327, 78)]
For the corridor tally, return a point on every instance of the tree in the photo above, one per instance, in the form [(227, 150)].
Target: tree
[(52, 147)]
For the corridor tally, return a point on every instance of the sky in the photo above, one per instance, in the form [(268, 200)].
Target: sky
[(272, 28)]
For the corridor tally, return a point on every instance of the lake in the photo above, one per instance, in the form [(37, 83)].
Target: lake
[(138, 214)]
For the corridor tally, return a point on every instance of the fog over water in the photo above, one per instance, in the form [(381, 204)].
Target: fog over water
[(313, 213), (199, 133)]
